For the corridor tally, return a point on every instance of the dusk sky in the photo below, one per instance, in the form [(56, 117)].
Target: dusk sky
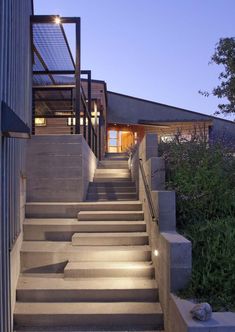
[(152, 49)]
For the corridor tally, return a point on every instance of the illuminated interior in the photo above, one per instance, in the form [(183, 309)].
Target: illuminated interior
[(120, 140)]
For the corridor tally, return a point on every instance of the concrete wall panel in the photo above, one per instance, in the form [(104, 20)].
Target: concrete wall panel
[(59, 168)]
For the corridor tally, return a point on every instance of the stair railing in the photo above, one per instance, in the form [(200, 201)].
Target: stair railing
[(148, 192)]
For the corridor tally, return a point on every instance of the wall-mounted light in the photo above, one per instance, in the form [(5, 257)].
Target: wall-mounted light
[(156, 252), (40, 122), (71, 121)]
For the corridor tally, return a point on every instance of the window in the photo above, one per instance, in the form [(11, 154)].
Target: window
[(40, 122)]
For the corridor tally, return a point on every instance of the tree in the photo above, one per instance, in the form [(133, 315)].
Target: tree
[(225, 55)]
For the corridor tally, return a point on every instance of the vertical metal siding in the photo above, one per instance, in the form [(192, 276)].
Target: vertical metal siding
[(15, 90)]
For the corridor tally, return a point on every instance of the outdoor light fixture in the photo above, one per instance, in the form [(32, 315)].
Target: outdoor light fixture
[(156, 253), (57, 20), (40, 122), (71, 121)]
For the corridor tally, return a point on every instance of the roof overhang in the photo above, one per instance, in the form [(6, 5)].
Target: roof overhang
[(11, 125)]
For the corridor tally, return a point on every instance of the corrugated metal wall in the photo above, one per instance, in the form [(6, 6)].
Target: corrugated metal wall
[(15, 90)]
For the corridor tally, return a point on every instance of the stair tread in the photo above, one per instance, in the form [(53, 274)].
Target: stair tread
[(54, 246), (111, 234), (110, 193), (84, 204), (110, 212), (113, 170), (54, 283), (120, 190), (107, 265), (105, 199), (67, 329), (73, 308), (75, 222)]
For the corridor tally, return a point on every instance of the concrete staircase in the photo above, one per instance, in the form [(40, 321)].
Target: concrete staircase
[(112, 181), (87, 267)]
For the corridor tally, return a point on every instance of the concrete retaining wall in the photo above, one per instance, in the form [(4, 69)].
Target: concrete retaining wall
[(182, 321), (171, 252), (59, 168)]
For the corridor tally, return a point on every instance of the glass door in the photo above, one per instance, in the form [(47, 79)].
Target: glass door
[(120, 140)]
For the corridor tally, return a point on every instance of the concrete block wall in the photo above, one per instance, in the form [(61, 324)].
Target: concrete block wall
[(171, 252), (59, 168), (15, 252)]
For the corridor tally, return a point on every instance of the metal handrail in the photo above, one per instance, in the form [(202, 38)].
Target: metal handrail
[(148, 192)]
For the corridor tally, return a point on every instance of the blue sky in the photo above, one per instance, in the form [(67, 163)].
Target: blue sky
[(153, 49)]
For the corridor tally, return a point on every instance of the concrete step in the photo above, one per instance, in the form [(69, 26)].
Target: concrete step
[(112, 171), (111, 164), (67, 329), (113, 176), (107, 199), (110, 239), (112, 185), (111, 179), (110, 215), (111, 196), (58, 289), (71, 209), (110, 190), (49, 256), (63, 229), (109, 269), (90, 316)]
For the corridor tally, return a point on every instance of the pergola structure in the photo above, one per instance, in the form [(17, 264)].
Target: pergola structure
[(57, 89)]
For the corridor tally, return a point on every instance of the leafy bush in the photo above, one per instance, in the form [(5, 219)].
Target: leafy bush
[(204, 180), (203, 177), (213, 273)]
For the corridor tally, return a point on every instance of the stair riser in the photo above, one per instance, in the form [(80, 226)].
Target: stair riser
[(121, 216), (112, 171), (56, 262), (112, 179), (111, 195), (116, 190), (112, 165), (112, 241), (109, 199), (109, 273), (88, 295), (109, 185), (112, 175), (48, 233), (60, 210), (110, 322)]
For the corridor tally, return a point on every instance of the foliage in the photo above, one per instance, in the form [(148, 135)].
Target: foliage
[(203, 177), (213, 277), (225, 55)]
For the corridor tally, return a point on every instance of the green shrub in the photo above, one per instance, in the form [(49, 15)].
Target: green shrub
[(213, 273), (203, 178)]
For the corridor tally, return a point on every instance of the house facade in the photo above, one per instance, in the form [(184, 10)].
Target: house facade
[(126, 119), (43, 92)]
